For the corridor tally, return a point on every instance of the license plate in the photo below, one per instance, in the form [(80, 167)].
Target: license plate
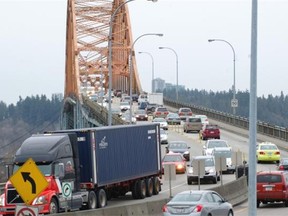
[(268, 189)]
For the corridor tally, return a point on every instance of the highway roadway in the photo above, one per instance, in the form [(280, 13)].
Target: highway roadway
[(180, 184), (238, 142)]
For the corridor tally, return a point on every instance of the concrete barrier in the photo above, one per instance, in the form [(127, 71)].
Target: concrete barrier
[(234, 192)]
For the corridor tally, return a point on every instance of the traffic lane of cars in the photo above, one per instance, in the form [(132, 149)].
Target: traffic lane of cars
[(237, 142)]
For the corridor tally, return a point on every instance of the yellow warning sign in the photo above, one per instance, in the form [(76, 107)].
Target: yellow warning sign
[(29, 181)]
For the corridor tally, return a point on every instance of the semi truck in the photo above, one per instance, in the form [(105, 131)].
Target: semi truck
[(99, 163), (155, 98)]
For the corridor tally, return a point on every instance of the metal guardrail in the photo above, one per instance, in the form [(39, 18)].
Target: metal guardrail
[(267, 129)]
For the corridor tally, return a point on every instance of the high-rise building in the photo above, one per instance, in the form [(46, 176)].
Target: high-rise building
[(158, 84)]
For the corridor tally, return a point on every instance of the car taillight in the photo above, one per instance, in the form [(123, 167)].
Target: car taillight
[(281, 167), (164, 208), (198, 208), (190, 113), (181, 113), (277, 153), (180, 166), (262, 153), (166, 113)]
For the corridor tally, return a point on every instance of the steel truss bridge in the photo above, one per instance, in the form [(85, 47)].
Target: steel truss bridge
[(87, 59)]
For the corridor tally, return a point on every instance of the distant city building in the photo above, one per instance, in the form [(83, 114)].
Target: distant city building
[(173, 86), (158, 84)]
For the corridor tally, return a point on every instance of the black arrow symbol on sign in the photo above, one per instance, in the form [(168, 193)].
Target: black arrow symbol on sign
[(26, 177)]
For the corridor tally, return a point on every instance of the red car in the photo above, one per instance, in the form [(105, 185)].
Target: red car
[(177, 159), (210, 131), (272, 187)]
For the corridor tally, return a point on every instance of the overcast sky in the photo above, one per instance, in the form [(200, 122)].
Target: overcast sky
[(32, 43)]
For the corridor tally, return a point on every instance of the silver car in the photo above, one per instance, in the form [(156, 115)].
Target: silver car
[(198, 203), (210, 170)]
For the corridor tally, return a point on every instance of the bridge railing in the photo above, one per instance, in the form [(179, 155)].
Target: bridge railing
[(99, 113), (237, 121)]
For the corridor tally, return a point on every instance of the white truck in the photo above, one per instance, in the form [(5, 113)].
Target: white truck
[(155, 98)]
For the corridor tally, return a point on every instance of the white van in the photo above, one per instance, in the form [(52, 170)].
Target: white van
[(142, 98)]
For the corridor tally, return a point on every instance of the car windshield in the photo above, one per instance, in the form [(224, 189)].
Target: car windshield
[(216, 143), (173, 115), (211, 127), (140, 112), (226, 154), (269, 178), (177, 145), (46, 169), (189, 197), (161, 109), (194, 120), (172, 158), (159, 120), (209, 162), (268, 147), (185, 110), (124, 103)]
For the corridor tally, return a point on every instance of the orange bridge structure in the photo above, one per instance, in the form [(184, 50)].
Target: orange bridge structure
[(89, 23)]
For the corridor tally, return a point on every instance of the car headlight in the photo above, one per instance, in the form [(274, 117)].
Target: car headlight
[(40, 200), (211, 170), (180, 166), (2, 200), (190, 170)]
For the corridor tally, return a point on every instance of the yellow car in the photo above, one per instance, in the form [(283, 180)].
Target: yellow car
[(267, 151)]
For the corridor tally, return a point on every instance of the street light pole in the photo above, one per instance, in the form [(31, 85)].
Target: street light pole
[(176, 70), (110, 55), (234, 103), (131, 68), (152, 59)]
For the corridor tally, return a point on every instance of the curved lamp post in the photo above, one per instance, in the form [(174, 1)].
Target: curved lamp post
[(176, 69), (152, 59), (131, 68), (234, 102)]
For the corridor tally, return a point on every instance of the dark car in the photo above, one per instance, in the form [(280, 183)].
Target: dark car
[(151, 108), (283, 164), (143, 105), (135, 97), (209, 131), (179, 147), (141, 115), (198, 202), (272, 187)]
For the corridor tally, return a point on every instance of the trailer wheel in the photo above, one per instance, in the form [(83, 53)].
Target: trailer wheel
[(156, 186), (102, 198), (135, 190), (149, 187), (53, 207), (92, 200), (142, 189)]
